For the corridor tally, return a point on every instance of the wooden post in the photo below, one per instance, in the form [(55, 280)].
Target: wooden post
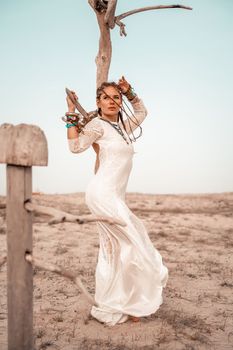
[(19, 272), (21, 147)]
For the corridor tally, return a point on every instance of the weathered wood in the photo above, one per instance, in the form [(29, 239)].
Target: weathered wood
[(77, 104), (61, 272), (61, 216), (19, 272), (106, 19), (23, 144), (149, 8), (109, 18), (103, 58), (6, 133), (142, 9), (3, 260)]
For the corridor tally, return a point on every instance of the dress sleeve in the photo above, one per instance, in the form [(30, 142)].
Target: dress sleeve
[(89, 134), (140, 113)]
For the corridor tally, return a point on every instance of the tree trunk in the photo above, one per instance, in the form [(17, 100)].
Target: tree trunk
[(103, 58)]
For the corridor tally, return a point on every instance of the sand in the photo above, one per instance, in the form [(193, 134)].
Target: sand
[(194, 234)]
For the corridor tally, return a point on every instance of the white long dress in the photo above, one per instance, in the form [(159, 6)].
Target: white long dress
[(130, 274)]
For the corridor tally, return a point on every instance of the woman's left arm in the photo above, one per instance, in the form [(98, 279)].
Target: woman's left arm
[(140, 113), (139, 109)]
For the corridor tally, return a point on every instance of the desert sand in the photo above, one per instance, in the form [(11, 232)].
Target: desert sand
[(194, 234)]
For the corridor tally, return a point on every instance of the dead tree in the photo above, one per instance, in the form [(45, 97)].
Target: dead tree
[(105, 13)]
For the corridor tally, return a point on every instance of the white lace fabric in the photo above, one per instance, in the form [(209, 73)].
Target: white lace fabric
[(140, 114), (90, 133), (130, 273)]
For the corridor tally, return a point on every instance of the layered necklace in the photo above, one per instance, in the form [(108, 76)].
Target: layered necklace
[(117, 127)]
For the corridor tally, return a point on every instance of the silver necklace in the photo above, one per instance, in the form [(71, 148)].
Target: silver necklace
[(117, 128)]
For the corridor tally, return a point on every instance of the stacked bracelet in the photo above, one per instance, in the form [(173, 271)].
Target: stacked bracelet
[(72, 114), (130, 94), (69, 125), (72, 117)]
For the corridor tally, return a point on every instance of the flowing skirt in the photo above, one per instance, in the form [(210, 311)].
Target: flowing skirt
[(130, 274)]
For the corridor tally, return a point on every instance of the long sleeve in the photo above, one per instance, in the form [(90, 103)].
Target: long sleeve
[(90, 134), (140, 113)]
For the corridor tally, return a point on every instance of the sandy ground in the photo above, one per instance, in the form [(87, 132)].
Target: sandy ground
[(194, 234)]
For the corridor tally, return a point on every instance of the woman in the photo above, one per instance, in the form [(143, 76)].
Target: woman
[(130, 274)]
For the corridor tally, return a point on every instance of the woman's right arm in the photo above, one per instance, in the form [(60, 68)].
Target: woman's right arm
[(79, 142), (72, 132), (91, 132)]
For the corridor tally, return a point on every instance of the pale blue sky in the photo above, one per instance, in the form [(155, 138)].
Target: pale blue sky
[(180, 62)]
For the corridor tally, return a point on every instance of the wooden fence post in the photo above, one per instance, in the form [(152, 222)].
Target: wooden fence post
[(21, 147)]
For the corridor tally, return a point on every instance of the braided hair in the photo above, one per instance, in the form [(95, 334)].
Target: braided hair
[(100, 90)]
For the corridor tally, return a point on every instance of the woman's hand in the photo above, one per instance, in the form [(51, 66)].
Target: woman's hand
[(70, 104), (123, 84)]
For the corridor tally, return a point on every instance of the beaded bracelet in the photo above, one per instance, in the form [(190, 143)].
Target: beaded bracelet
[(130, 94), (72, 114), (69, 125)]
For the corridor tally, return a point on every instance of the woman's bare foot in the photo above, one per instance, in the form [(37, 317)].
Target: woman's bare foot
[(134, 318)]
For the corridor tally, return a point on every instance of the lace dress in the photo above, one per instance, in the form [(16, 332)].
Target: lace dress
[(130, 274)]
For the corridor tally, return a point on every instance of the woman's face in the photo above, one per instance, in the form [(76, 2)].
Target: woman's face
[(109, 102)]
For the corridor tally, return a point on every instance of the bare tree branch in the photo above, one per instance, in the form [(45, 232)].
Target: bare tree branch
[(105, 11), (142, 9), (61, 216), (122, 27), (92, 3), (62, 272), (77, 104), (103, 58), (109, 18)]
